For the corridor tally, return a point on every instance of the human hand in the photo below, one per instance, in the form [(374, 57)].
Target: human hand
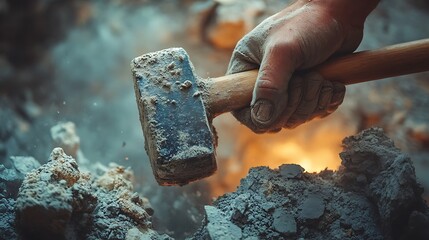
[(301, 36)]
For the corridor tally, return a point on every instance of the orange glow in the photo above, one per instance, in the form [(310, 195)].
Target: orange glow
[(315, 146)]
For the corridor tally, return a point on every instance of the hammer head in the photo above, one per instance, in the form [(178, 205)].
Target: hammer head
[(178, 136)]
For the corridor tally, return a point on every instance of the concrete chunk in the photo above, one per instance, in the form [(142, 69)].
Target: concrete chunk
[(312, 207), (283, 222)]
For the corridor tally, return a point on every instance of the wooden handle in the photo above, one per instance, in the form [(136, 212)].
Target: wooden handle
[(234, 91)]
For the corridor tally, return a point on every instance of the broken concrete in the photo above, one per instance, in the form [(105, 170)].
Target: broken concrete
[(372, 164), (10, 181), (64, 135), (7, 218), (97, 81), (374, 196), (46, 199), (284, 222), (57, 201), (291, 170), (12, 177)]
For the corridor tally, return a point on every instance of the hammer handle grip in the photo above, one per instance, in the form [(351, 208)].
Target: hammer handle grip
[(232, 92)]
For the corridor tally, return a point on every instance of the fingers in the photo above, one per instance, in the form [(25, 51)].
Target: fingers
[(296, 91), (278, 47), (308, 97), (337, 97), (323, 102), (309, 102), (270, 95)]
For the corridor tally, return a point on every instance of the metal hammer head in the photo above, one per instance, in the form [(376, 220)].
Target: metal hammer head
[(178, 136)]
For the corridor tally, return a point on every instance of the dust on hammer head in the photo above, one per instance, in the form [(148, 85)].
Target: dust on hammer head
[(178, 136)]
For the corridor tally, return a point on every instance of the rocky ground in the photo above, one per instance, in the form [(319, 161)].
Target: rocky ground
[(59, 201), (68, 60), (374, 195)]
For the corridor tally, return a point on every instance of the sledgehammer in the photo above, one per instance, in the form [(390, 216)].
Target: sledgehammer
[(176, 106)]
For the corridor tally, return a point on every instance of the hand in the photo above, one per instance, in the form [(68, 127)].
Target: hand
[(301, 36)]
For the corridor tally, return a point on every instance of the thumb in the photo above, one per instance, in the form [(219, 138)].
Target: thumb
[(270, 96)]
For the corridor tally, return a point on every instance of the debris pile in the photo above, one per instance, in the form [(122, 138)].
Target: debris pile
[(10, 180), (57, 201), (64, 135), (374, 195), (39, 81)]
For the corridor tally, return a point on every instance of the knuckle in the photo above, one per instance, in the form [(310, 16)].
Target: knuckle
[(338, 87), (283, 47), (266, 84)]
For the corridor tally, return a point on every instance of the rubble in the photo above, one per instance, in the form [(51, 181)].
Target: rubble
[(396, 105), (12, 177), (284, 222), (7, 218), (291, 170), (372, 164), (374, 195), (57, 201), (24, 164), (64, 136), (220, 228), (10, 180), (44, 206)]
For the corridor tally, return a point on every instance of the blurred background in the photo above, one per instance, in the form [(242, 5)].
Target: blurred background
[(68, 60)]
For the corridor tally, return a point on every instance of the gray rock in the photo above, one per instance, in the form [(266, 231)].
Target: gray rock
[(312, 208), (373, 196), (7, 219), (291, 170), (10, 181), (220, 228), (391, 178), (44, 207), (284, 222), (11, 178), (57, 201), (145, 234), (64, 136), (24, 164)]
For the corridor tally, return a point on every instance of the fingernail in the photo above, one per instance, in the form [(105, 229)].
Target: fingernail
[(262, 110)]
